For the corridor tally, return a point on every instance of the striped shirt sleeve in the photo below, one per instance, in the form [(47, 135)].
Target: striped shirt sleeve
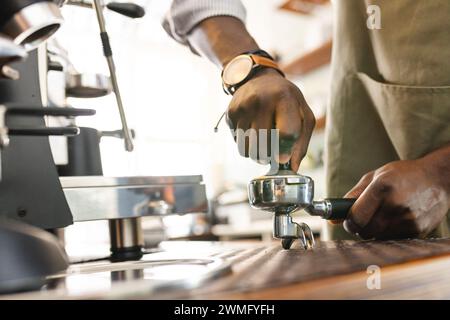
[(184, 15)]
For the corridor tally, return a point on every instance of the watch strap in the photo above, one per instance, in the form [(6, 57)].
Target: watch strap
[(263, 61), (259, 52)]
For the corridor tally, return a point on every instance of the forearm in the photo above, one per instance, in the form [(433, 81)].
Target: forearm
[(221, 38)]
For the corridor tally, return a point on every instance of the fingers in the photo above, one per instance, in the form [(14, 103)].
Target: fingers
[(242, 115), (230, 124), (366, 206), (243, 137), (253, 140), (362, 184), (261, 148), (280, 106), (356, 192), (299, 151), (385, 224), (301, 145), (392, 224), (288, 121)]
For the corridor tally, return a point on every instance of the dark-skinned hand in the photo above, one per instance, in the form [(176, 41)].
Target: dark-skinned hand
[(270, 101), (402, 199)]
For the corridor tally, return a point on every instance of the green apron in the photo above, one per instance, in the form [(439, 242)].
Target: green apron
[(390, 97)]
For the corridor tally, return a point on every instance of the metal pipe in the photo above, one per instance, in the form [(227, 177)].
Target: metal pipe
[(98, 6), (127, 9), (79, 3), (127, 239)]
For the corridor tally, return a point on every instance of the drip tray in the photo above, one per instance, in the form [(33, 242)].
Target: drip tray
[(155, 276)]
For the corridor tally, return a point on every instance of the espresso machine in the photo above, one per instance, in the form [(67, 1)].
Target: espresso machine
[(38, 197)]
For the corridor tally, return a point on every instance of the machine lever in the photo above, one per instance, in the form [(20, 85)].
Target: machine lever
[(53, 131), (49, 111), (128, 9)]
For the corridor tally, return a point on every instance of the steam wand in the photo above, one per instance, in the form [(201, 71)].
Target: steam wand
[(107, 51)]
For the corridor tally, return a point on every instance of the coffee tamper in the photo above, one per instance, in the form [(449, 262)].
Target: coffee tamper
[(284, 192)]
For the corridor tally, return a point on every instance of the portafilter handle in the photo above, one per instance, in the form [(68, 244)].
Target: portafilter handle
[(331, 208)]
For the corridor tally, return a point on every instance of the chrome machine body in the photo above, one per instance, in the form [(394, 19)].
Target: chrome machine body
[(30, 22), (32, 190), (123, 201)]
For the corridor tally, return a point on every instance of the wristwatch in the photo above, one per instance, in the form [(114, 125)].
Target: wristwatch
[(243, 67)]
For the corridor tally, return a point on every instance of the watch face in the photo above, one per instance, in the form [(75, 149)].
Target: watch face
[(237, 70)]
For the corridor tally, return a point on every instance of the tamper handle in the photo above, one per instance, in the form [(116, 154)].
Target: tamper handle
[(284, 166), (340, 208), (277, 168)]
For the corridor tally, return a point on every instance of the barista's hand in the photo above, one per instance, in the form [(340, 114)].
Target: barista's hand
[(270, 101), (399, 200)]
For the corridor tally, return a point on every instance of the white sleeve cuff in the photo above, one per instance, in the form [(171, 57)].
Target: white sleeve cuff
[(184, 15)]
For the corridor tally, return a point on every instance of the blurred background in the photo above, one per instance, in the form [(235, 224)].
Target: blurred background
[(174, 98)]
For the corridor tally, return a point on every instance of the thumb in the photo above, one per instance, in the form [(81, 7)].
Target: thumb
[(370, 196), (356, 191), (298, 153), (301, 146)]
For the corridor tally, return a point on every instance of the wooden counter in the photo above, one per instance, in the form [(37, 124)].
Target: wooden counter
[(408, 269)]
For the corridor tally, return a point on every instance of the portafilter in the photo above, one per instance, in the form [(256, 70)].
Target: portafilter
[(284, 192)]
